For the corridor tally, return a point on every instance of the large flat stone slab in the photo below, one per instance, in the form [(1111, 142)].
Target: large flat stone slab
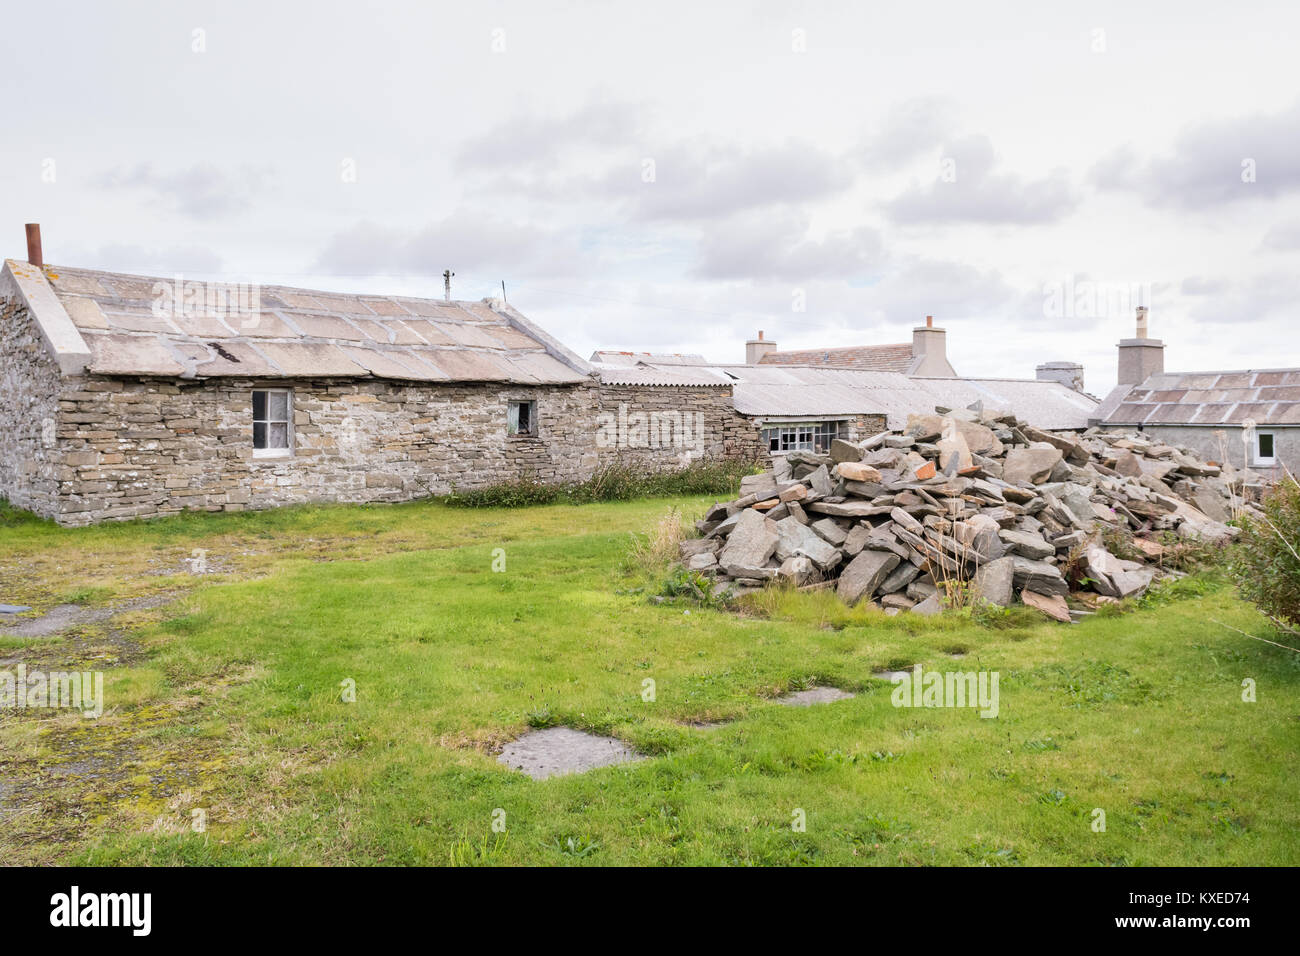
[(561, 750), (864, 574), (813, 695)]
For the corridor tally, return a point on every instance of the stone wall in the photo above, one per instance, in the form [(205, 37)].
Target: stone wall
[(1205, 442), (667, 427), (30, 455), (145, 447)]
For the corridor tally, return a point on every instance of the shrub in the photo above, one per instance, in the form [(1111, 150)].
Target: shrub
[(1266, 564), (612, 482)]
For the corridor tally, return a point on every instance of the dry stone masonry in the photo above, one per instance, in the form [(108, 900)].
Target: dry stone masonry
[(968, 501)]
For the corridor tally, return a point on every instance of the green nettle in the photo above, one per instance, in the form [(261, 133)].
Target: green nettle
[(1266, 565)]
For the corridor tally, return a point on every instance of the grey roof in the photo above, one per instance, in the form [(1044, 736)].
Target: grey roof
[(611, 357), (1041, 403), (799, 391), (132, 326), (1267, 396)]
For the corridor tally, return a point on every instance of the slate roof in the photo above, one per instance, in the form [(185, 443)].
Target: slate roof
[(301, 332), (880, 358), (1268, 396), (781, 391)]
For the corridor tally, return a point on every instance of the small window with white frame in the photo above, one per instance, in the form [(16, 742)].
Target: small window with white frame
[(1265, 448), (521, 419), (801, 436), (272, 423)]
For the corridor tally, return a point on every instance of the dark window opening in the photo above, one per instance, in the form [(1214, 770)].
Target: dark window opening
[(521, 418), (1265, 445)]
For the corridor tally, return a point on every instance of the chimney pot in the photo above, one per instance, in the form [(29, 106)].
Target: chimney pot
[(1141, 356), (34, 244), (755, 349), (929, 321)]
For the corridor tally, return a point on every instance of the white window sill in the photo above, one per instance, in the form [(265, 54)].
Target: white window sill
[(272, 454)]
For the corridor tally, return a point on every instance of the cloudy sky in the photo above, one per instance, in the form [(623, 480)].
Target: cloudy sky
[(675, 177)]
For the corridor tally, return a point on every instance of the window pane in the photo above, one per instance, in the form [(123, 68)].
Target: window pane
[(512, 418), (1265, 445), (279, 406), (279, 435), (259, 434), (526, 418), (259, 406)]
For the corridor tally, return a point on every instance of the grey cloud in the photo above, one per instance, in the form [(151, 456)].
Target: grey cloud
[(131, 258), (1258, 298), (978, 193), (1205, 168), (908, 131), (944, 289), (1196, 285), (203, 191), (693, 184), (464, 242), (1284, 237), (529, 141), (778, 248)]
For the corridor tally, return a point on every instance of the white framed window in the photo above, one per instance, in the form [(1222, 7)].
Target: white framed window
[(272, 423), (521, 419), (801, 436), (1265, 448)]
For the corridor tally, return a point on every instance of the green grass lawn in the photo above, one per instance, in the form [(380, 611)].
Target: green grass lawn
[(230, 701)]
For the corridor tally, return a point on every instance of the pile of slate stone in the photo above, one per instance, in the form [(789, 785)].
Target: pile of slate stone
[(972, 502)]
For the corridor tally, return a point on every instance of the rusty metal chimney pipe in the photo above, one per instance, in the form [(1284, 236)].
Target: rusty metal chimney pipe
[(34, 244)]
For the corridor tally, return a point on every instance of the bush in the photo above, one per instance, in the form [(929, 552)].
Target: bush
[(613, 482), (1266, 563)]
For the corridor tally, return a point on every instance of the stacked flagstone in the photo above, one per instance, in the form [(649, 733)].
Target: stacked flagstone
[(968, 497)]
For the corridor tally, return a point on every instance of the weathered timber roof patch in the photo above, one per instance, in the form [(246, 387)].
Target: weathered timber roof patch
[(879, 358), (1267, 396), (303, 333)]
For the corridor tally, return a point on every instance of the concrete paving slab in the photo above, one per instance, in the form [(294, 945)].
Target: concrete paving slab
[(814, 695), (561, 750)]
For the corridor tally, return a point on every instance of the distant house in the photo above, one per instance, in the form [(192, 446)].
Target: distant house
[(796, 408), (803, 400), (1247, 417), (925, 355)]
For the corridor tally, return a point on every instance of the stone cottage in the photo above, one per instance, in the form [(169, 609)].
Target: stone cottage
[(1248, 417), (125, 396)]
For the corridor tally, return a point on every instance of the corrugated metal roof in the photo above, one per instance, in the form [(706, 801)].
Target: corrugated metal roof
[(137, 325), (1042, 404), (1268, 396), (789, 390)]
